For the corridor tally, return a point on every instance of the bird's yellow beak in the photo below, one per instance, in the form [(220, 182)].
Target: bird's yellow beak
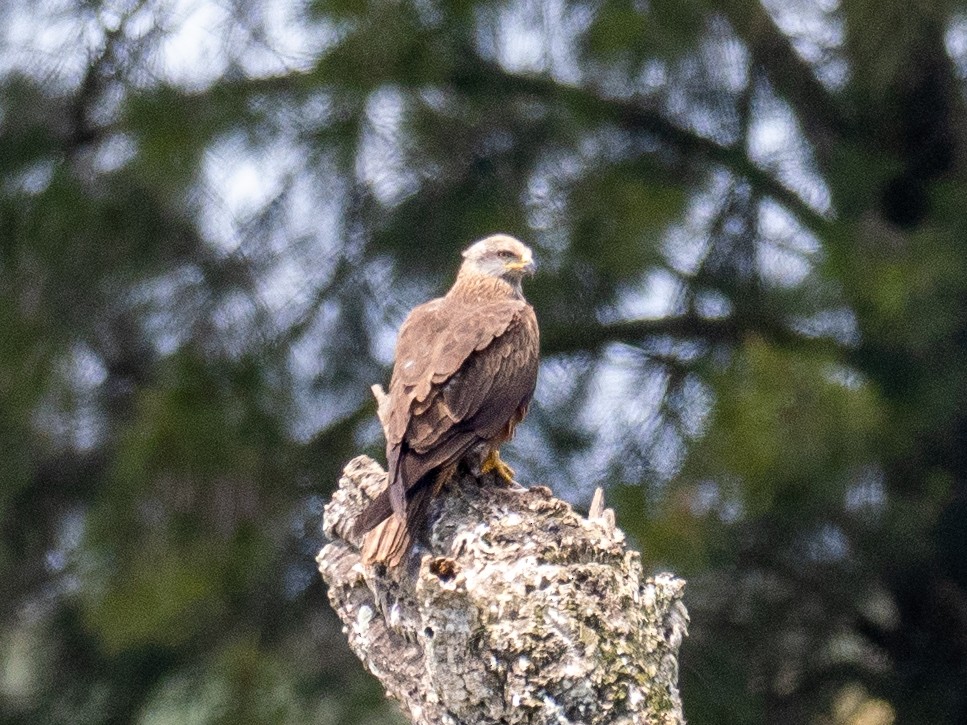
[(525, 263)]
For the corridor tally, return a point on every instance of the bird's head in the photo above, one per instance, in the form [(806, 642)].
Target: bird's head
[(499, 256)]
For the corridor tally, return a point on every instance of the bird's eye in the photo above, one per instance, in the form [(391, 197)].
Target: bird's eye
[(506, 254)]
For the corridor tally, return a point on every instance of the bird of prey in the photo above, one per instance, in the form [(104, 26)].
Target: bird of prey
[(464, 373)]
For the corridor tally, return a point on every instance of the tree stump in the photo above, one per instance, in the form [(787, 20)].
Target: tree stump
[(515, 609)]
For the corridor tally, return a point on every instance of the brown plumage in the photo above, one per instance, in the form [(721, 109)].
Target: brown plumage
[(464, 373)]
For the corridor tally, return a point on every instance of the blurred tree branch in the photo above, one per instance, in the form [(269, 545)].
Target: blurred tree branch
[(631, 115), (556, 340), (791, 76), (592, 106)]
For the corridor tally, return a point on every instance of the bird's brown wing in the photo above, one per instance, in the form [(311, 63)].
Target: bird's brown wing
[(458, 379), (462, 374), (479, 403), (434, 342), (487, 391)]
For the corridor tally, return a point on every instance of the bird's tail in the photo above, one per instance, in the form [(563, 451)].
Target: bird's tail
[(389, 541)]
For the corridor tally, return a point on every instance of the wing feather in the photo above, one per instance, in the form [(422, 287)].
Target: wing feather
[(484, 394), (434, 342), (494, 382)]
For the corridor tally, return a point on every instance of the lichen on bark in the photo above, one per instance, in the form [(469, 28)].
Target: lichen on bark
[(514, 609)]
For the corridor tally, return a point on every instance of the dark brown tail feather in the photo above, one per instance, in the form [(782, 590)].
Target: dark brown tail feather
[(389, 542), (381, 507), (373, 515), (390, 538)]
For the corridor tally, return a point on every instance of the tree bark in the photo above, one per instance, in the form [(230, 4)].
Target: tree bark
[(513, 609)]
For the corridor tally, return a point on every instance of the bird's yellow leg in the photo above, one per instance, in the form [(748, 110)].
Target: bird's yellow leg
[(493, 463)]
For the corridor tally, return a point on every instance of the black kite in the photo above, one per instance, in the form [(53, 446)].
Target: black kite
[(464, 373)]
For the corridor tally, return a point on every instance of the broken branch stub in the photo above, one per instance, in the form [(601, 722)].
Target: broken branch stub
[(515, 609)]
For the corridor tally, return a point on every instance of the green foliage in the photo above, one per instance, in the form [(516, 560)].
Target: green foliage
[(785, 425), (643, 31), (151, 602), (749, 226), (176, 532), (624, 210)]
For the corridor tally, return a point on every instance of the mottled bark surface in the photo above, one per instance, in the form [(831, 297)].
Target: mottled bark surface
[(515, 609)]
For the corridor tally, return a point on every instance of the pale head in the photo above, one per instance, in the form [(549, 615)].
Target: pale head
[(499, 256)]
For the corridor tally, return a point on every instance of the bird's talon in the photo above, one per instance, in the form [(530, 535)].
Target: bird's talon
[(503, 471)]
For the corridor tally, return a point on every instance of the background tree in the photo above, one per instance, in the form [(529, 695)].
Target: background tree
[(750, 219)]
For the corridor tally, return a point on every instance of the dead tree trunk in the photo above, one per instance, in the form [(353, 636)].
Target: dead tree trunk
[(514, 610)]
